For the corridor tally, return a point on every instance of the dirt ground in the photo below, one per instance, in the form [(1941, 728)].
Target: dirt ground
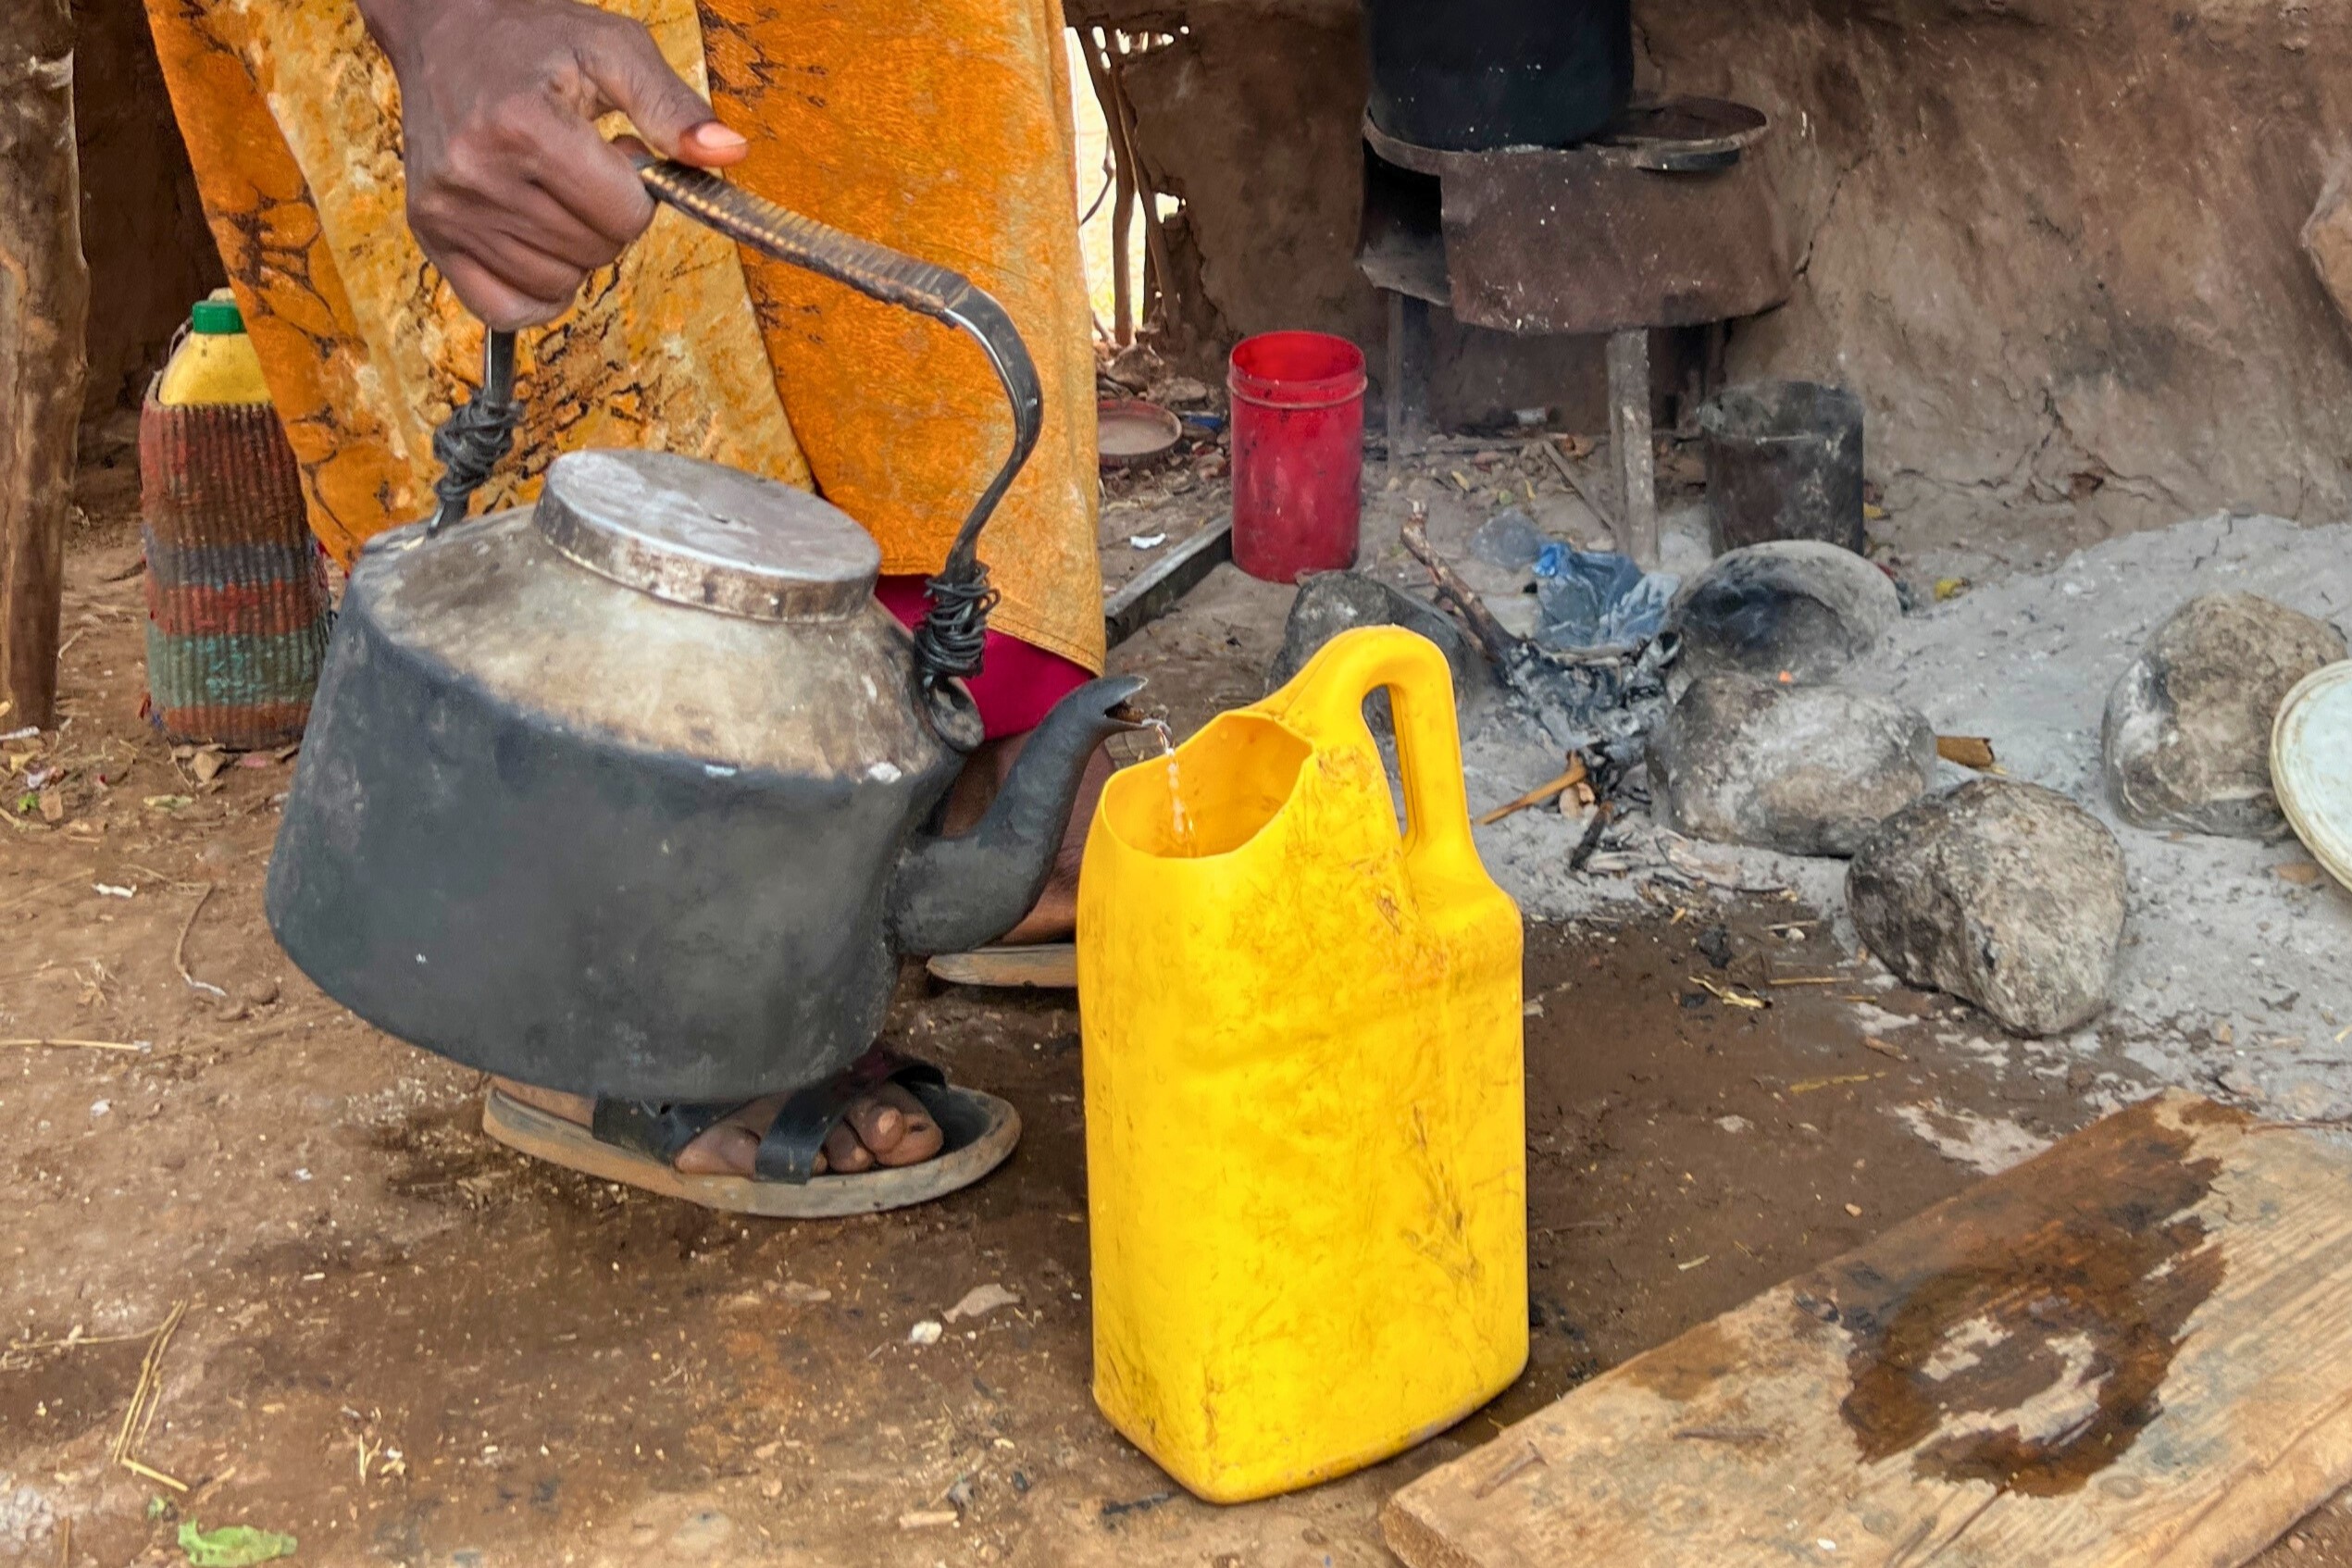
[(403, 1344)]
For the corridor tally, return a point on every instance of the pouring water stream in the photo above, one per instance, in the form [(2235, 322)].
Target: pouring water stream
[(1179, 820)]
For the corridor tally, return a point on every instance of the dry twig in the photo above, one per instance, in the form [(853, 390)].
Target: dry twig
[(180, 948), (1732, 998), (144, 1398), (80, 1044), (1575, 482), (1810, 1085)]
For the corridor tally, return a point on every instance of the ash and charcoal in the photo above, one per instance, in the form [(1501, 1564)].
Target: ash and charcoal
[(2125, 694), (1599, 704)]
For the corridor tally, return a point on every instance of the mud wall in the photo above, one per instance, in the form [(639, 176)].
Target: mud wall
[(150, 255), (2054, 243)]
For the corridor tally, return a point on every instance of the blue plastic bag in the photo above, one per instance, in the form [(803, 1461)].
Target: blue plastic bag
[(1595, 598)]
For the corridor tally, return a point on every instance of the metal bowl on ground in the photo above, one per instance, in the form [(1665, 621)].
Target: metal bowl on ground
[(1129, 431)]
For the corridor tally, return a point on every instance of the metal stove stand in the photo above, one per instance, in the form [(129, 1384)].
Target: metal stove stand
[(1666, 221)]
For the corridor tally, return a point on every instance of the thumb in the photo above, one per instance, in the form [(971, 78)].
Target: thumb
[(631, 73)]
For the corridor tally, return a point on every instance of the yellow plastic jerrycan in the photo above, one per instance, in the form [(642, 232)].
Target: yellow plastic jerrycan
[(215, 362), (1305, 1102)]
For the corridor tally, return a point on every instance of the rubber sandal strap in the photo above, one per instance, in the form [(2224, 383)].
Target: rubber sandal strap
[(789, 1151), (657, 1128)]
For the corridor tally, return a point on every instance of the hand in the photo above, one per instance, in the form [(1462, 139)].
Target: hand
[(511, 191)]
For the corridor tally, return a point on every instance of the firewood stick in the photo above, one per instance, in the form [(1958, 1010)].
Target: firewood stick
[(1491, 633), (1538, 795)]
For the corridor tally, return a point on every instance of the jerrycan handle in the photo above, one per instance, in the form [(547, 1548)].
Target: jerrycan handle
[(1331, 691), (949, 642)]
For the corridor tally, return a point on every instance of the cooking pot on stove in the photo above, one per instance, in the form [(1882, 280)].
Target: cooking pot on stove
[(635, 791)]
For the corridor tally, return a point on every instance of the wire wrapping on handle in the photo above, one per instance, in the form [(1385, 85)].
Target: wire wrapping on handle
[(478, 434)]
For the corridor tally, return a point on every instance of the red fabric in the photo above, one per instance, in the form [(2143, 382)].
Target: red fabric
[(1018, 683)]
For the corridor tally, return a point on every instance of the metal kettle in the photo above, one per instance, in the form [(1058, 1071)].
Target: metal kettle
[(634, 791)]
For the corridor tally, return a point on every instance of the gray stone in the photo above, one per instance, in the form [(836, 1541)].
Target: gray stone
[(1331, 602), (1801, 769), (1508, 539), (1794, 606), (2187, 735), (2007, 895)]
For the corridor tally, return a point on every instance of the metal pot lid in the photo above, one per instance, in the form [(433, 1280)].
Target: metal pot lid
[(2312, 765), (709, 536)]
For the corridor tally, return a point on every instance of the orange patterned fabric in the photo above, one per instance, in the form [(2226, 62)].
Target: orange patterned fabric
[(939, 129)]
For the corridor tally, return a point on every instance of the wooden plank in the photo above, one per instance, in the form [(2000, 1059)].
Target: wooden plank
[(2136, 1349), (1155, 592), (45, 290)]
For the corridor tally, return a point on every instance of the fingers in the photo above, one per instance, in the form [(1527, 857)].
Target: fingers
[(513, 193), (520, 212), (712, 146), (496, 302), (593, 183), (633, 77)]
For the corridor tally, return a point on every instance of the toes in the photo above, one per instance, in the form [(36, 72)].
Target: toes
[(844, 1155), (887, 1127), (892, 1124), (730, 1148), (725, 1149)]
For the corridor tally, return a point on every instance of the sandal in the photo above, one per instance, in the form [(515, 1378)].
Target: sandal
[(637, 1142), (1045, 966)]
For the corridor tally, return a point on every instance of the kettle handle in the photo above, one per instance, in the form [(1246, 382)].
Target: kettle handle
[(949, 642), (1328, 704)]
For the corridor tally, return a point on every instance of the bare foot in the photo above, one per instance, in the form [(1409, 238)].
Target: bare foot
[(1055, 916), (889, 1127)]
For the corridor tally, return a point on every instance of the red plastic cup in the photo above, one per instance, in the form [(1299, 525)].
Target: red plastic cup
[(1298, 454)]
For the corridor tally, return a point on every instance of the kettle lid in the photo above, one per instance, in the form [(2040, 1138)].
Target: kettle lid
[(700, 533)]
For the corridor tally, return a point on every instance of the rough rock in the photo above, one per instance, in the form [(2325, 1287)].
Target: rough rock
[(2327, 240), (2187, 740), (1798, 608), (1802, 769), (1508, 539), (2007, 895), (1331, 602)]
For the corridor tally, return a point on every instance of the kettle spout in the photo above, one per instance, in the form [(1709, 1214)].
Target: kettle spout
[(951, 894)]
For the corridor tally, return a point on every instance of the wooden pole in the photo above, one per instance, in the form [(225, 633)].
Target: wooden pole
[(1098, 65), (1395, 390), (1629, 445), (44, 303), (1158, 275)]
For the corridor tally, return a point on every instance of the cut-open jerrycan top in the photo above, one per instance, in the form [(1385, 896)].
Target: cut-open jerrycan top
[(1218, 790), (1305, 1123)]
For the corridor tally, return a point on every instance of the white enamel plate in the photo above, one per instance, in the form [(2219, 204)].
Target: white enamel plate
[(2312, 765)]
